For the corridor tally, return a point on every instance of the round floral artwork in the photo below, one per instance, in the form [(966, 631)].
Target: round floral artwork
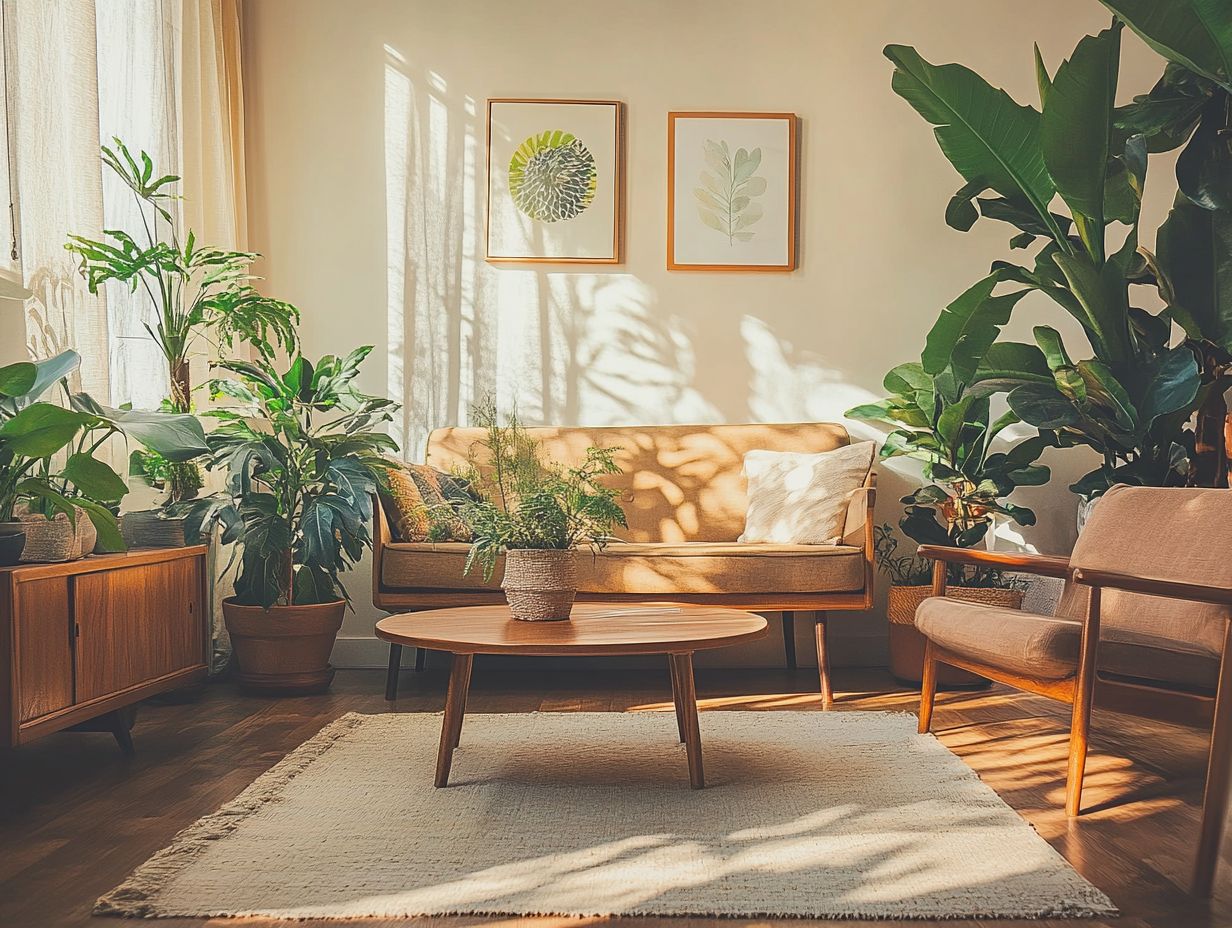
[(552, 176)]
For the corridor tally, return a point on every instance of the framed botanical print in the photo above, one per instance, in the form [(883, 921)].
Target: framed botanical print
[(731, 191), (555, 182)]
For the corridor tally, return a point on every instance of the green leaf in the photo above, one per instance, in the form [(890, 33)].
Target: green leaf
[(1204, 168), (1102, 297), (1193, 33), (1052, 347), (987, 136), (94, 478), (1172, 384), (966, 328), (1076, 125), (961, 213), (1043, 406), (1042, 81), (1195, 254), (17, 379), (40, 430), (175, 436), (110, 538)]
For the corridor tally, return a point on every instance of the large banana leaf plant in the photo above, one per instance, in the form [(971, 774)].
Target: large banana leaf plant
[(47, 451), (199, 292), (302, 458), (1130, 400), (1190, 107), (938, 419)]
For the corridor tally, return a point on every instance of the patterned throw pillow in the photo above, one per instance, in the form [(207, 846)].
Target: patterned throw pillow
[(422, 501)]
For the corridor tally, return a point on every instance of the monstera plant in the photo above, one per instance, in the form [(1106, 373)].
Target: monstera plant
[(302, 459), (199, 292), (1190, 107), (1131, 399)]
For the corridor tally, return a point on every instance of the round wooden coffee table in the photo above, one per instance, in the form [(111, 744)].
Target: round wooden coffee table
[(594, 629)]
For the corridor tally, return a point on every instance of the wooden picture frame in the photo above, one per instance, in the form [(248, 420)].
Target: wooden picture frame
[(695, 205), (528, 223)]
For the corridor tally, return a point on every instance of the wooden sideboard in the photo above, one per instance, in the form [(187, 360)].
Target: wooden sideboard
[(83, 640)]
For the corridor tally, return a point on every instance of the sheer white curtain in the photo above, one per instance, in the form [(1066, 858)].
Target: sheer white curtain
[(163, 75)]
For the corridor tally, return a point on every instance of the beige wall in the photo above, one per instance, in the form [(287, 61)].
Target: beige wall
[(365, 155)]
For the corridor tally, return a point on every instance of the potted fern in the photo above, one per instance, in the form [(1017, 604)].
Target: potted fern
[(302, 459), (536, 513)]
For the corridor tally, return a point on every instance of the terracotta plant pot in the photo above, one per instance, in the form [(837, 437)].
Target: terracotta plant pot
[(540, 584), (907, 644), (12, 540), (285, 649)]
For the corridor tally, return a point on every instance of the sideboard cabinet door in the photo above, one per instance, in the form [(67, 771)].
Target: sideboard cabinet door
[(137, 624), (43, 642)]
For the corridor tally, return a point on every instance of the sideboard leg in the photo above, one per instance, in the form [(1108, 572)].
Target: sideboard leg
[(120, 723), (391, 676), (789, 639)]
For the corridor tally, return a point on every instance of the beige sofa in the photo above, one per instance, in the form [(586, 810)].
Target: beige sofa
[(684, 496)]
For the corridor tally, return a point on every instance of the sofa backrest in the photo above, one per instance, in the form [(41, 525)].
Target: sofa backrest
[(679, 482)]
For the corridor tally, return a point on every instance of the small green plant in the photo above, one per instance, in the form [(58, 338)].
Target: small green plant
[(913, 570), (303, 459), (522, 501)]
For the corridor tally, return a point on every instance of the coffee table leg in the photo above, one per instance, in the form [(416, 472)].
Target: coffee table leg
[(683, 664), (466, 691), (455, 708), (671, 665)]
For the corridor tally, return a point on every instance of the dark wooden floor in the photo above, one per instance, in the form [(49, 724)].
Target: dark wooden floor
[(76, 816)]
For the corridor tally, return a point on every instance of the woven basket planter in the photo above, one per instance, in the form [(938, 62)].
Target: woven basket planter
[(907, 644), (540, 584), (146, 528), (56, 539)]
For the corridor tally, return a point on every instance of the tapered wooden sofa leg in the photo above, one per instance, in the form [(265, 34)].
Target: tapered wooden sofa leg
[(823, 661), (1084, 693), (789, 639), (391, 675)]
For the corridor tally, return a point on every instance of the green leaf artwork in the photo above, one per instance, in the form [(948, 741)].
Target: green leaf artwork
[(552, 176), (730, 186)]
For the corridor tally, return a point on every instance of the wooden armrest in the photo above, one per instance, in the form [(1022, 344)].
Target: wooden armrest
[(1171, 588), (1042, 564)]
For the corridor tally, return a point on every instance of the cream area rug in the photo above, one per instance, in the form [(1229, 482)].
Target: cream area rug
[(820, 814)]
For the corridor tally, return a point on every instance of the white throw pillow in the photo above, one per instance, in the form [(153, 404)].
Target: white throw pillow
[(801, 499)]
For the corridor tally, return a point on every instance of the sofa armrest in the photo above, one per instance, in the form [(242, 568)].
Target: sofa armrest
[(1042, 564), (858, 524)]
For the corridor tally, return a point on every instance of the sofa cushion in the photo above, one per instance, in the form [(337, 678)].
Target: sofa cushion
[(802, 499), (690, 567), (1035, 646), (420, 502)]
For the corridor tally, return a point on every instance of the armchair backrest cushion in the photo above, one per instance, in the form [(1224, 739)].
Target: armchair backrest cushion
[(679, 482), (1182, 535)]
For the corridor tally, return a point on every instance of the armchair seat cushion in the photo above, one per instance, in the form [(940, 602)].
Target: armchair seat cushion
[(650, 568), (1036, 646), (1046, 648)]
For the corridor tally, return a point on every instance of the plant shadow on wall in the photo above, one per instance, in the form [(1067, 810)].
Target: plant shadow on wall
[(566, 345)]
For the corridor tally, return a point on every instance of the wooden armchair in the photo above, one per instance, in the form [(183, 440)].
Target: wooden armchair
[(1142, 627)]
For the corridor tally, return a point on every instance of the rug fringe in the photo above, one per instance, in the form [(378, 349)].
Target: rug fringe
[(130, 898)]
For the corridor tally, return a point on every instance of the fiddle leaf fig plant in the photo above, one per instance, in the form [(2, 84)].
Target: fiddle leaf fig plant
[(302, 458)]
